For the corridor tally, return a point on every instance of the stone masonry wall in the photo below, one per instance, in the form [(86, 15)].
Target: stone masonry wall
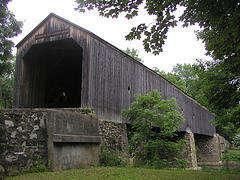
[(23, 139), (47, 138), (33, 136), (113, 135)]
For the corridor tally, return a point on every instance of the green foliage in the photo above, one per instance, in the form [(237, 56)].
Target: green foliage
[(6, 85), (87, 110), (154, 122), (152, 110), (9, 27), (221, 88), (163, 153), (134, 54), (110, 158), (38, 166), (229, 122), (173, 78), (191, 75), (232, 155), (190, 78), (6, 92), (218, 20)]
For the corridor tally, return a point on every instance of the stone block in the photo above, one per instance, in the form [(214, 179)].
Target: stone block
[(75, 155)]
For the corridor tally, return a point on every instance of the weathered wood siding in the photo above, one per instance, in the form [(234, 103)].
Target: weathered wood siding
[(111, 79), (112, 73)]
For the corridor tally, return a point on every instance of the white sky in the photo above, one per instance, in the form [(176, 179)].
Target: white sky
[(181, 46)]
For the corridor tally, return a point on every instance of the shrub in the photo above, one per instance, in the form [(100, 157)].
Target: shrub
[(87, 110), (232, 155), (38, 166), (110, 158), (164, 153), (152, 137)]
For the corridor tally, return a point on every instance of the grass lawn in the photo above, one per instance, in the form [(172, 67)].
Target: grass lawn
[(129, 173)]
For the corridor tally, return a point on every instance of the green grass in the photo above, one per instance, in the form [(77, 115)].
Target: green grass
[(129, 173)]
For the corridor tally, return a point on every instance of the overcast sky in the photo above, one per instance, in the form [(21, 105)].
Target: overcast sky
[(181, 46)]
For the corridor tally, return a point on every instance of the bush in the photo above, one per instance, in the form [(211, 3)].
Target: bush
[(232, 155), (38, 166), (110, 158), (164, 153), (87, 110), (152, 137)]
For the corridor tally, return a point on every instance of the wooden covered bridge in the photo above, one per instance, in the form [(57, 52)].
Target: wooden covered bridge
[(62, 65)]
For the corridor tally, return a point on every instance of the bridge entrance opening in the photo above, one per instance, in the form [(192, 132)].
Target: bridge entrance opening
[(52, 75)]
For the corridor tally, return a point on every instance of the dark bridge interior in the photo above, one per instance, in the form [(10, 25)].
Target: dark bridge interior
[(53, 74)]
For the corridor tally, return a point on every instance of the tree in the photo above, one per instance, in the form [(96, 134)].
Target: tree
[(216, 18), (193, 76), (6, 84), (173, 78), (190, 79), (154, 122), (134, 54), (9, 27), (222, 90), (228, 122)]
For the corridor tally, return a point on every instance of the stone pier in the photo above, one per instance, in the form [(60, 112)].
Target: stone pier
[(202, 150), (190, 153), (210, 150)]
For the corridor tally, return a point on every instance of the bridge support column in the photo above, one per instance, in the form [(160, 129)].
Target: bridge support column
[(210, 149), (190, 152)]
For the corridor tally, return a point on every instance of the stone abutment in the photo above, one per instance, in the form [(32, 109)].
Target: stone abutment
[(67, 138)]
